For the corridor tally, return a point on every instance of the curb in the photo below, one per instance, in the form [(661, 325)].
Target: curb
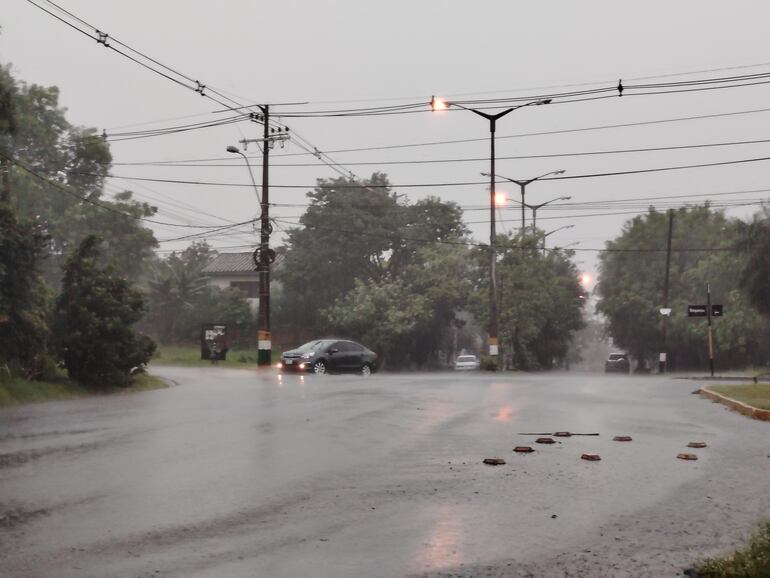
[(747, 410)]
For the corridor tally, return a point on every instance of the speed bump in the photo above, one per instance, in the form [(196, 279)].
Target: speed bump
[(696, 445), (524, 449), (622, 439), (591, 457), (687, 456), (494, 461)]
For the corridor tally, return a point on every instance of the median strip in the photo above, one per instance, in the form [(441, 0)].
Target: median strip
[(757, 394)]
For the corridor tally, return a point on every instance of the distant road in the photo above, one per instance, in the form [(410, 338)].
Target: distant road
[(234, 474)]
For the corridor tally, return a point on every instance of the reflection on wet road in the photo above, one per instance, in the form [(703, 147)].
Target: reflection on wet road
[(237, 474)]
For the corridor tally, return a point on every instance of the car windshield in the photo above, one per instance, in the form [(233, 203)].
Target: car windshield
[(466, 358), (617, 356), (313, 345)]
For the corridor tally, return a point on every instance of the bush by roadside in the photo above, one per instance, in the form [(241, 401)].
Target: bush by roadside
[(17, 391), (753, 561)]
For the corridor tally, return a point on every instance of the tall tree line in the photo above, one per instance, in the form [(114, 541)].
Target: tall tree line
[(405, 278), (708, 249), (62, 298)]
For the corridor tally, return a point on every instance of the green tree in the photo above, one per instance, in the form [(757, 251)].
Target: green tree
[(23, 295), (181, 300), (93, 321), (354, 231), (705, 251), (540, 304), (175, 284), (409, 318), (65, 193), (756, 275)]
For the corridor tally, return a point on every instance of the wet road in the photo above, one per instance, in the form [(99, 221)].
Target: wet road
[(231, 474)]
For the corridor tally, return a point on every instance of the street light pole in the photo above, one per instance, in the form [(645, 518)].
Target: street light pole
[(522, 186), (439, 104), (540, 206), (555, 231)]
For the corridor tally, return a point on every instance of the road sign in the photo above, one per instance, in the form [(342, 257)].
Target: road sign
[(702, 311), (697, 311)]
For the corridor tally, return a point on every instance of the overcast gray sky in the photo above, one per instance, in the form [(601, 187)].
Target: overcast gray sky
[(352, 53)]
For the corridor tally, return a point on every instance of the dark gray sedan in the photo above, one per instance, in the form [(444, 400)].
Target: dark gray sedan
[(329, 356)]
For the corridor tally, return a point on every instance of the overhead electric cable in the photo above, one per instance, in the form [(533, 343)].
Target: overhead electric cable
[(209, 162), (439, 184), (63, 188)]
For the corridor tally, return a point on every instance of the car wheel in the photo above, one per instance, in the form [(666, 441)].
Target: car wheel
[(319, 367), (366, 370)]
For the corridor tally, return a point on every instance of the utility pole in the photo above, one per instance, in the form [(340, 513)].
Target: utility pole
[(710, 331), (665, 312), (264, 256), (5, 186)]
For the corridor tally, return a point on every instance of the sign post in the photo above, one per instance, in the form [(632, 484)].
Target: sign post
[(708, 310), (213, 342), (710, 333)]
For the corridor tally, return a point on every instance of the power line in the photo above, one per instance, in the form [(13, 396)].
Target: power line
[(439, 184), (90, 201), (543, 133), (521, 247), (200, 88), (202, 163)]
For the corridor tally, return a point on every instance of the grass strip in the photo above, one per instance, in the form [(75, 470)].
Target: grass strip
[(753, 561), (191, 356), (753, 394), (19, 391)]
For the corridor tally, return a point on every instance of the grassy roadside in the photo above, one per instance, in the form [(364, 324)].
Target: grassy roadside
[(749, 562), (190, 356), (753, 394), (20, 391)]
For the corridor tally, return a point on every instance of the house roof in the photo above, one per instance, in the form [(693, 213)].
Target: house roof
[(225, 263)]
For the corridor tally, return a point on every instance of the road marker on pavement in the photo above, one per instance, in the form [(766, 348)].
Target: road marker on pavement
[(494, 461), (696, 445), (687, 456), (591, 457), (621, 439)]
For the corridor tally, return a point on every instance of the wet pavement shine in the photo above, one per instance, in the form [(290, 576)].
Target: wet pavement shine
[(235, 473)]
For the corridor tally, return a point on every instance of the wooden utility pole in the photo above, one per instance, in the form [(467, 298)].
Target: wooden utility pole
[(5, 186), (666, 312)]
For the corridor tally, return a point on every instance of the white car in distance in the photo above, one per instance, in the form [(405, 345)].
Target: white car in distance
[(466, 362)]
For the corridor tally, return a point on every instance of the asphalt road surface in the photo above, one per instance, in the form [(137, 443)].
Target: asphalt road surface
[(233, 474)]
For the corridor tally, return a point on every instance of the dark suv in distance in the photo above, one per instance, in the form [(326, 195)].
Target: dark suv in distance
[(330, 356), (617, 362)]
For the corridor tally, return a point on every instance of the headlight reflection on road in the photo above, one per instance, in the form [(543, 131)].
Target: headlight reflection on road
[(442, 546), (505, 413)]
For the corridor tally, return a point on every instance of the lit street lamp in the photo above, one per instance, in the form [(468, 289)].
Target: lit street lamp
[(534, 208), (441, 104), (522, 186)]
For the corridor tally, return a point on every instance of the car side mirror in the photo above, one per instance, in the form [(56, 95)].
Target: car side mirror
[(333, 350)]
